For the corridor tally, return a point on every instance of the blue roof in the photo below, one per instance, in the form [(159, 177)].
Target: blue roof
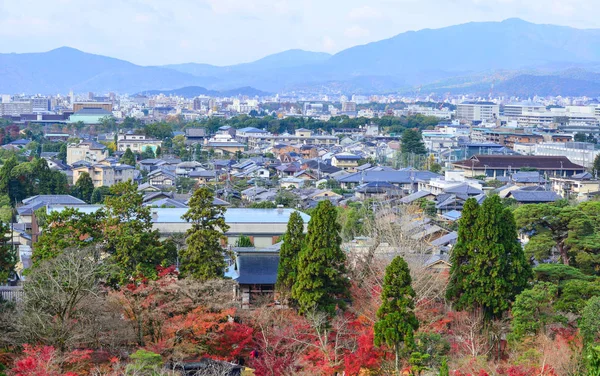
[(233, 215)]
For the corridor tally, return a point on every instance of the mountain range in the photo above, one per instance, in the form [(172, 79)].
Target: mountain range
[(512, 57)]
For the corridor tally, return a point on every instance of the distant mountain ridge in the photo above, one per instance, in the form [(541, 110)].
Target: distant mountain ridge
[(517, 57), (195, 91)]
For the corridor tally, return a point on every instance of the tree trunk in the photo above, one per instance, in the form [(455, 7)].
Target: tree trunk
[(397, 362), (563, 253)]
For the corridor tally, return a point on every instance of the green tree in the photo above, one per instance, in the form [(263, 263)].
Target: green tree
[(158, 151), (321, 282), (533, 310), (148, 153), (293, 240), (62, 154), (135, 248), (128, 158), (68, 228), (596, 166), (444, 370), (204, 257), (8, 255), (490, 261), (412, 142), (461, 265), (99, 193), (396, 320), (85, 187), (573, 231), (589, 325), (198, 152), (580, 137), (244, 242)]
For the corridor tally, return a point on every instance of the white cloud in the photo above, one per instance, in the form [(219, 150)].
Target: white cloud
[(356, 32), (328, 44)]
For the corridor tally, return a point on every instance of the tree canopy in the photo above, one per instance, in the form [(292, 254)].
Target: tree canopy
[(321, 282), (204, 257), (489, 268)]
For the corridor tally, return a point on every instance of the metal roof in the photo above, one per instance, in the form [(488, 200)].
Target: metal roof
[(257, 268)]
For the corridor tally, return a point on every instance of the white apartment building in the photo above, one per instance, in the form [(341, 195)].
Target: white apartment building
[(516, 110), (16, 108), (477, 111), (136, 142), (581, 153)]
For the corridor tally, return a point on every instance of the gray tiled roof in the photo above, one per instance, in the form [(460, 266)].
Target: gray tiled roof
[(257, 268)]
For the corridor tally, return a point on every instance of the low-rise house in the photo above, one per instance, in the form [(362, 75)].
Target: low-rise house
[(26, 211), (523, 196), (577, 186), (406, 180), (290, 183), (162, 178), (184, 168), (345, 161), (203, 177), (150, 164)]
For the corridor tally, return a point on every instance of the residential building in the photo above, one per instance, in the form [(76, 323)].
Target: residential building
[(494, 166), (105, 174), (577, 186), (345, 161), (516, 110), (136, 142), (89, 151)]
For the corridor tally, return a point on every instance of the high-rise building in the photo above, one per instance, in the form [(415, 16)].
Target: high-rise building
[(40, 105), (16, 108), (477, 111)]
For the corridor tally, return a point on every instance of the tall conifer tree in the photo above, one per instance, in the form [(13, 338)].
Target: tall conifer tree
[(493, 269), (321, 282), (290, 250), (396, 319)]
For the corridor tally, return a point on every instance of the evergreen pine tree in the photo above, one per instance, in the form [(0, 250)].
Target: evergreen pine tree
[(8, 256), (128, 158), (396, 319), (288, 255), (204, 258), (459, 255), (596, 166), (494, 268), (158, 152), (85, 187), (412, 142), (321, 283)]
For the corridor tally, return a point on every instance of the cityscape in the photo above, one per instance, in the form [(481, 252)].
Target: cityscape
[(379, 202)]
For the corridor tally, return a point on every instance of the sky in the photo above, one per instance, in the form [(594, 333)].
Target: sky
[(225, 32)]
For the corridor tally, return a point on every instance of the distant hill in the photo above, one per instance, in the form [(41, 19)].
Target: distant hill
[(515, 55), (194, 91), (285, 59), (63, 69)]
